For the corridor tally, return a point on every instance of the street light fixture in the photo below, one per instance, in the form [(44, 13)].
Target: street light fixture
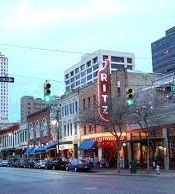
[(12, 134)]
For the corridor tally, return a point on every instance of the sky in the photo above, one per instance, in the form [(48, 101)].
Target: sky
[(65, 30)]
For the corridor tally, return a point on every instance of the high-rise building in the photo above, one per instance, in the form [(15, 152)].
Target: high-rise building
[(85, 72), (3, 89), (163, 53), (29, 105)]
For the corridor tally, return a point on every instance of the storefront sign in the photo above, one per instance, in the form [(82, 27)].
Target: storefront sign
[(103, 92), (65, 146), (106, 144)]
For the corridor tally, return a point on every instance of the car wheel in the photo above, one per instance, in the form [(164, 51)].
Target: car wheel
[(67, 168), (76, 169)]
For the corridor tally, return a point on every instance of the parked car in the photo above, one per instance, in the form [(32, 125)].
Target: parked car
[(78, 165), (24, 163), (11, 162), (57, 163), (32, 162), (16, 163), (4, 163), (40, 164)]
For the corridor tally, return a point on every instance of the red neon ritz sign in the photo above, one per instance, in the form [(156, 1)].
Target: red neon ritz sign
[(103, 92)]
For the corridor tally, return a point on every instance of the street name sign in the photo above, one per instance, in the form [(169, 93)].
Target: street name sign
[(7, 79)]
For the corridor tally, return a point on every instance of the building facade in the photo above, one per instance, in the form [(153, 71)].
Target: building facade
[(3, 89), (29, 105), (85, 72), (13, 140), (69, 124), (163, 53)]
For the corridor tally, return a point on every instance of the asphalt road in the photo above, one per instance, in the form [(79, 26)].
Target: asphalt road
[(38, 181)]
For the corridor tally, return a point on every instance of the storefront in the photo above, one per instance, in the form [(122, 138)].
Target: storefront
[(66, 149), (103, 146), (171, 138), (139, 143)]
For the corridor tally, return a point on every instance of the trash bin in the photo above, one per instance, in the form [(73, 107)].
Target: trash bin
[(133, 167)]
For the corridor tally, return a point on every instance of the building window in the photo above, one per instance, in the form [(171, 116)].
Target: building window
[(31, 131), (84, 130), (64, 131), (89, 102), (94, 100), (76, 107), (44, 127), (89, 70), (90, 128), (83, 80), (95, 67), (82, 67), (129, 67), (129, 60), (77, 70), (70, 129), (117, 59), (37, 129), (67, 76), (95, 60), (83, 73), (89, 77), (84, 104), (105, 57), (88, 63), (71, 73), (75, 126)]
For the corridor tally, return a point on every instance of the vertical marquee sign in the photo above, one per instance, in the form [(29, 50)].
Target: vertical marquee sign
[(103, 92)]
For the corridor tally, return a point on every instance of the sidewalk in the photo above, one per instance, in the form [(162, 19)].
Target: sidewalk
[(140, 172)]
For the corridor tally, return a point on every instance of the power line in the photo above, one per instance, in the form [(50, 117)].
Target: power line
[(35, 78), (43, 49), (56, 50)]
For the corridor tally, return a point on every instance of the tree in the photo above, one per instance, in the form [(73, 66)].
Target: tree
[(147, 113), (116, 123)]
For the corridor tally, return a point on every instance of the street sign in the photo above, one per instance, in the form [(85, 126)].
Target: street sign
[(173, 89), (7, 79)]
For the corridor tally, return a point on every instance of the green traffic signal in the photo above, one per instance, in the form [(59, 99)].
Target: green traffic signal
[(47, 99), (129, 95), (47, 92), (130, 101)]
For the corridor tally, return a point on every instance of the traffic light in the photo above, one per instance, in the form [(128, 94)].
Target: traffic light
[(130, 96), (47, 92)]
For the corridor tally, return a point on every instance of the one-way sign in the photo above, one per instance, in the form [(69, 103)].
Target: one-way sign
[(7, 79)]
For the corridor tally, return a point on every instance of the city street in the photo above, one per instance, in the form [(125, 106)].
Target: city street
[(18, 181)]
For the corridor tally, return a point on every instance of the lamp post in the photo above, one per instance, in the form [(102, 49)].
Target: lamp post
[(12, 134)]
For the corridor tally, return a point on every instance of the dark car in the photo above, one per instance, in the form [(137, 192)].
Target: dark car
[(24, 163), (57, 163), (32, 162), (78, 165), (12, 161), (16, 163)]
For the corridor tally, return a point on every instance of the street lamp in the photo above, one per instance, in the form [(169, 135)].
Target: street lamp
[(12, 134)]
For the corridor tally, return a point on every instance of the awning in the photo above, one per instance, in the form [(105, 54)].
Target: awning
[(51, 146), (87, 144), (40, 149), (29, 150), (23, 150)]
